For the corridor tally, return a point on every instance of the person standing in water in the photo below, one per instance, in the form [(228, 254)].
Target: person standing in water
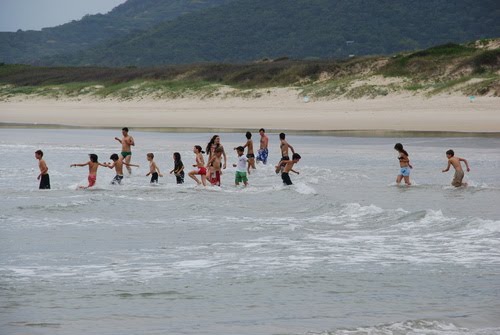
[(263, 152), (404, 165), (284, 147), (127, 142), (250, 153), (44, 171)]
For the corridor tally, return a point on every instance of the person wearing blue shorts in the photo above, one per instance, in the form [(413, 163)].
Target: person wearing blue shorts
[(404, 165)]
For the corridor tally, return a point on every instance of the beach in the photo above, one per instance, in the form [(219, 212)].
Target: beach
[(280, 109), (342, 251)]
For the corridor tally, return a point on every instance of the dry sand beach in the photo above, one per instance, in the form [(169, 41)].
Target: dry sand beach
[(280, 109)]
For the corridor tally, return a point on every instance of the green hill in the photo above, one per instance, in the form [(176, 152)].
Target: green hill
[(246, 30), (29, 47)]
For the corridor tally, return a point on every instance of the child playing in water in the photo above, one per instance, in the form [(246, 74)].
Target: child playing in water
[(154, 171), (288, 167), (118, 166), (404, 165), (200, 165), (178, 170), (459, 173), (44, 175), (241, 167), (93, 165), (215, 163)]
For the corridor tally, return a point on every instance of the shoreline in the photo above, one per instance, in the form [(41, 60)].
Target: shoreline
[(335, 133), (446, 115)]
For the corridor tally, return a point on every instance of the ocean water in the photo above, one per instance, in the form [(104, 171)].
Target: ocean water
[(342, 251)]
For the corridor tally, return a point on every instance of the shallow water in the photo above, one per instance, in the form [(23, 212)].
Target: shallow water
[(343, 251)]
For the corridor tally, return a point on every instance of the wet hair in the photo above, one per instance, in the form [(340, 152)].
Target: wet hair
[(114, 157), (93, 158), (399, 148), (282, 136), (125, 129), (219, 149), (296, 156), (177, 156), (450, 152), (240, 149), (209, 145), (262, 129), (199, 149), (248, 135), (39, 152), (150, 154)]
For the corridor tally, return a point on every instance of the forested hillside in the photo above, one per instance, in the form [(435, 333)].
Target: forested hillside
[(246, 30), (29, 47)]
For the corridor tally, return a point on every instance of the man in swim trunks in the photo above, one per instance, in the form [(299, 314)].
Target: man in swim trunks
[(127, 142), (263, 151), (459, 172), (284, 146)]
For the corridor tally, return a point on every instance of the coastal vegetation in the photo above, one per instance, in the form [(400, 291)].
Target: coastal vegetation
[(467, 69)]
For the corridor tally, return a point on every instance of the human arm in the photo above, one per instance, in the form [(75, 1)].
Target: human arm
[(82, 164), (447, 168), (225, 157), (466, 163), (157, 169), (116, 138), (180, 169), (297, 172), (291, 148), (128, 164), (131, 141)]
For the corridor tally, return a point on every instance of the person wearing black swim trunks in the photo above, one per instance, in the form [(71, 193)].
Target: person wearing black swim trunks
[(44, 175)]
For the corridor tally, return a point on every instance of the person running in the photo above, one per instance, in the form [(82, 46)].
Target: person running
[(154, 170), (263, 152), (404, 165), (127, 142), (200, 167), (44, 171), (93, 165), (284, 147), (288, 167), (118, 166), (241, 167), (178, 169), (459, 172)]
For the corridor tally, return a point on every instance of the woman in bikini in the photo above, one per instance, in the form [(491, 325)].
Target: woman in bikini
[(404, 165)]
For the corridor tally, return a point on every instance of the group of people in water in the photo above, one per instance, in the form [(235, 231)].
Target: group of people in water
[(211, 171)]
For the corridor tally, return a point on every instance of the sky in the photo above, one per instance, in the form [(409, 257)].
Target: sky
[(38, 14)]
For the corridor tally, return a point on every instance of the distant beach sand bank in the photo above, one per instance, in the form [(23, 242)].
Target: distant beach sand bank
[(282, 109)]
